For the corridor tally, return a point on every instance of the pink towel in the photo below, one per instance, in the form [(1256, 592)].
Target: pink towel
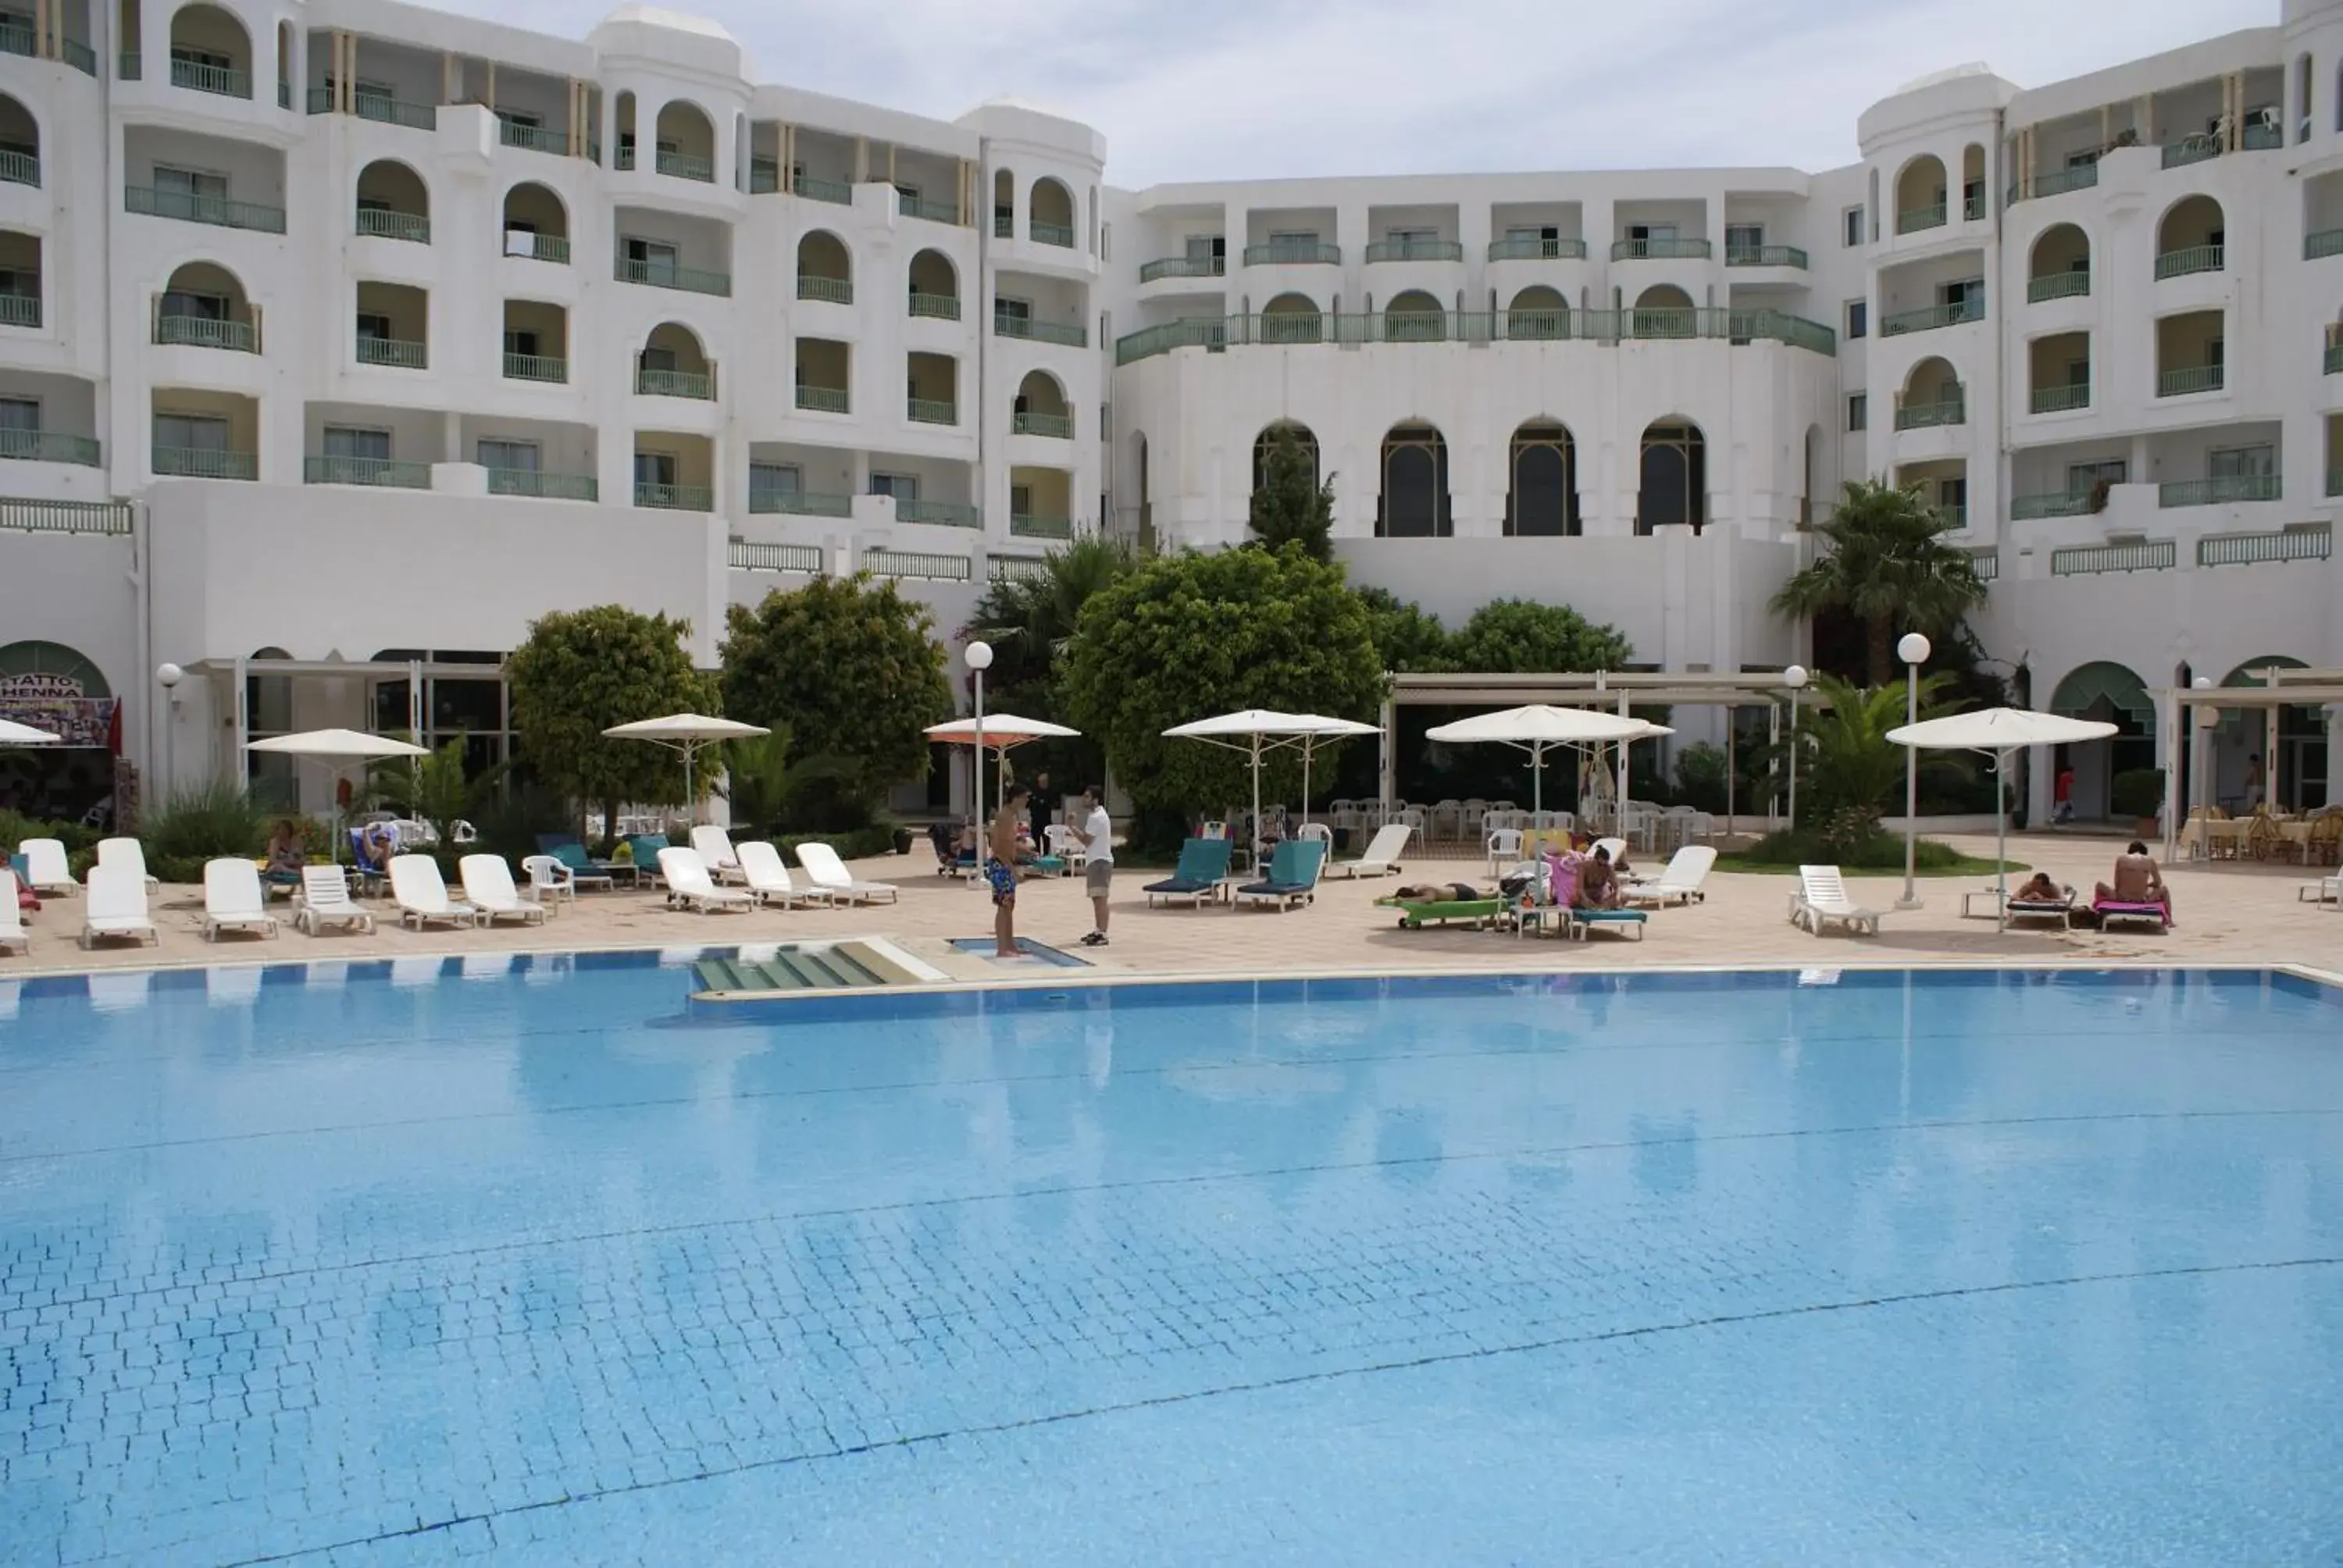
[(2162, 911), (1562, 875)]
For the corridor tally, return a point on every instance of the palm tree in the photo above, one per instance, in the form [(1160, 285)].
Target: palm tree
[(1029, 621), (1886, 564), (1852, 764)]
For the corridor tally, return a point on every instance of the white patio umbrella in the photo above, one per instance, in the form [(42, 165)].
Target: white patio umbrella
[(1538, 728), (15, 734), (1324, 731), (1255, 731), (1001, 733), (686, 733), (2000, 731), (340, 747)]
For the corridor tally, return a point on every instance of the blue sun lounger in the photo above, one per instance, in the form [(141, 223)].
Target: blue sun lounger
[(1203, 866), (1292, 875)]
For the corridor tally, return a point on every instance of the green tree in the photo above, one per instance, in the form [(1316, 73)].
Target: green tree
[(1407, 640), (763, 786), (1029, 621), (1293, 506), (1522, 637), (1849, 765), (854, 671), (1886, 563), (1186, 637), (433, 788), (582, 672)]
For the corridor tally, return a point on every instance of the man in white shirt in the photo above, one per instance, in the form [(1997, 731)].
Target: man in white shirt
[(1094, 832)]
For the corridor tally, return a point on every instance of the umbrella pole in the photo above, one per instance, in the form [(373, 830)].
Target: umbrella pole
[(1537, 778), (1255, 847), (2001, 835)]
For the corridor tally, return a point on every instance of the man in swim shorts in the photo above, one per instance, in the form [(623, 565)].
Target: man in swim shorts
[(1001, 871)]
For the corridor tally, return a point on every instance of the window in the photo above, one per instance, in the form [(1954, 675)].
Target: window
[(1859, 317), (653, 257), (191, 183), (372, 324), (521, 341), (1850, 225), (515, 457), (1208, 247), (18, 284), (902, 487), (1743, 239), (768, 482), (1973, 199), (2241, 462), (1020, 500), (1952, 496), (1019, 311), (181, 54), (1858, 410), (655, 469), (2214, 348), (1292, 237), (2080, 160), (2082, 478), (190, 433), (526, 119), (1407, 236), (659, 359), (181, 303), (345, 441), (20, 414), (1964, 300), (2079, 372)]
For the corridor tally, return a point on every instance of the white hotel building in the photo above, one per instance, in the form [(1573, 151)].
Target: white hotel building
[(340, 338)]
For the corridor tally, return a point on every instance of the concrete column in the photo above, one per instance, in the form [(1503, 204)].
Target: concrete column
[(2334, 780)]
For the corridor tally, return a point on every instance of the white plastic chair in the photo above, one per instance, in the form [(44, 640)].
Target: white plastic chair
[(12, 920), (1214, 830), (548, 880), (1504, 847), (234, 899), (689, 885), (114, 905), (489, 887), (1381, 856), (830, 874), (128, 853), (421, 894), (769, 879), (1318, 833), (326, 900), (716, 852), (1821, 901), (46, 870), (1679, 881), (1058, 839)]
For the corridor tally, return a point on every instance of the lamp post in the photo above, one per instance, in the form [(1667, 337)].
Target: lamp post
[(2200, 759), (1794, 678), (1912, 649), (168, 676), (980, 660)]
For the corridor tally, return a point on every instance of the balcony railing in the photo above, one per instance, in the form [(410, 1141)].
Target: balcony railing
[(1932, 318), (1526, 325), (1058, 234), (749, 556), (2188, 259), (1031, 526), (534, 138), (835, 291), (203, 332), (928, 211), (224, 80), (16, 37), (535, 368), (1912, 219), (2062, 400), (49, 447), (936, 306), (942, 514), (2324, 242), (20, 310), (1292, 253), (687, 167), (2333, 360), (1765, 256), (675, 498), (28, 517), (129, 65), (2224, 490), (551, 247), (2258, 137), (398, 353), (1292, 328), (1659, 250), (189, 208), (543, 485), (1184, 267), (1039, 331), (2056, 286), (659, 274), (2050, 503), (764, 175), (199, 463), (1952, 410), (20, 168), (921, 564), (2059, 181), (1004, 224), (1414, 250), (822, 399), (838, 193), (385, 225), (624, 159), (652, 382), (1972, 207), (2191, 150), (801, 503), (931, 411), (2300, 542), (391, 472), (2189, 378), (388, 111), (1530, 249), (1986, 561), (2089, 561), (1058, 427)]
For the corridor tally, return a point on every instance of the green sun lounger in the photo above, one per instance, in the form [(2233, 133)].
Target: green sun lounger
[(1440, 911)]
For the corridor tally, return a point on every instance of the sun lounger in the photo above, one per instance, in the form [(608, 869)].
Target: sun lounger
[(1381, 856), (114, 905), (2061, 908), (2114, 911), (489, 887), (1579, 924), (568, 851), (326, 900), (644, 848), (829, 876), (1292, 875), (689, 885), (234, 899), (716, 852), (1821, 902), (128, 853), (1679, 883), (11, 923), (421, 894), (2326, 890), (1416, 913), (770, 881), (1203, 865), (45, 870)]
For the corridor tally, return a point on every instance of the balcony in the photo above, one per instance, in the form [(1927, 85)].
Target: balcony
[(942, 212), (1057, 427), (879, 561), (651, 382), (2059, 181), (1932, 318), (385, 471), (381, 224), (685, 166), (2188, 379), (2050, 503), (1027, 525), (1004, 224), (203, 332), (942, 514), (1057, 234), (2062, 400), (1659, 250), (801, 503), (544, 487), (550, 247), (2189, 259), (2325, 242), (2333, 361), (1607, 327), (1986, 561), (931, 411), (2189, 150), (379, 108), (749, 556), (1414, 250), (690, 280), (834, 290), (838, 193), (224, 80), (1912, 220), (535, 368), (1291, 253), (936, 306), (1766, 255), (189, 208), (1039, 331), (1184, 267), (1972, 207), (20, 168), (2224, 490), (1529, 249), (2058, 285), (2090, 560), (675, 498), (48, 447), (1927, 415), (196, 463), (18, 516), (2298, 542), (20, 310), (822, 399), (395, 353), (533, 139)]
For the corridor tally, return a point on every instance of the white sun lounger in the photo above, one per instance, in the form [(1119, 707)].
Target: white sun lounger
[(326, 900), (1821, 902), (45, 868), (1679, 881), (2326, 890), (421, 894), (126, 852), (11, 923), (830, 875), (688, 883), (114, 905), (489, 887), (769, 879), (716, 852), (233, 899), (1381, 856)]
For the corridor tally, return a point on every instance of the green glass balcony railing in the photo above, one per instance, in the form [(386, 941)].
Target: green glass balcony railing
[(20, 309), (80, 57), (2189, 378), (1058, 427), (2056, 286), (1659, 250), (2324, 243), (675, 498), (385, 225), (1058, 234), (2300, 542), (129, 65), (534, 138), (541, 247), (389, 111), (942, 514), (1292, 329), (2059, 181), (2062, 400), (1952, 410), (1004, 224), (392, 472), (838, 193), (687, 167), (204, 332), (1031, 525), (1526, 248), (2089, 561), (801, 503), (2191, 150), (2333, 362), (659, 275), (926, 211), (189, 208), (936, 306), (1765, 256), (1414, 250), (224, 80), (931, 411), (49, 447), (2189, 259), (20, 168), (651, 382), (2256, 137), (753, 556), (543, 485), (17, 35), (1932, 318), (2225, 490), (397, 353), (822, 399), (199, 463), (1292, 253), (835, 291), (1184, 267), (1039, 331), (535, 368), (2050, 503), (1912, 219)]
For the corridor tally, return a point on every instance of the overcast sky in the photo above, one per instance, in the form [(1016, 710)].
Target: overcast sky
[(1221, 89)]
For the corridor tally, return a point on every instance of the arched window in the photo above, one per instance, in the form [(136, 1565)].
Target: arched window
[(1541, 474), (2060, 265), (20, 144), (687, 142), (1932, 396), (2191, 237), (1663, 310), (536, 225), (935, 285), (674, 365), (210, 52), (1042, 408), (1004, 205), (204, 305), (1538, 312), (1052, 220), (1414, 317), (1920, 195), (1293, 318), (825, 270), (393, 203), (1675, 477), (622, 111), (1413, 503), (1264, 443), (1976, 204)]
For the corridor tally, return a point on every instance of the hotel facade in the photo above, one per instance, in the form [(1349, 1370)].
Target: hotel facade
[(340, 340)]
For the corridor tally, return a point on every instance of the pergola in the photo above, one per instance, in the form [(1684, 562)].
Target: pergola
[(2286, 687)]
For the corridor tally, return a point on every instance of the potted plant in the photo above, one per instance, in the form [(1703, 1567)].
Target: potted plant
[(2138, 793)]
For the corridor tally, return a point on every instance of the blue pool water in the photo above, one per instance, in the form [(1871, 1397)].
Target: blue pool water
[(527, 1262)]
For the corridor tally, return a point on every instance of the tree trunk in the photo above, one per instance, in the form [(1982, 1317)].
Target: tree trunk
[(1881, 645), (610, 826)]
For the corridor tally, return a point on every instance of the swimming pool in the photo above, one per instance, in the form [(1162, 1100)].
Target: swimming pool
[(528, 1259)]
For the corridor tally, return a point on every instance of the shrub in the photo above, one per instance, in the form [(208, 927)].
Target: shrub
[(1700, 777), (1878, 852), (2137, 792), (854, 844), (199, 824)]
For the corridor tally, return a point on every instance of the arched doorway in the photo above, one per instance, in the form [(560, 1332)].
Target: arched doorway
[(1304, 437), (2115, 694), (1673, 483), (59, 689), (1414, 500), (1541, 481), (2294, 767)]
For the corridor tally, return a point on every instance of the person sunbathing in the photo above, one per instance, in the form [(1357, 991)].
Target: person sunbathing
[(2138, 880), (2039, 889), (1442, 893)]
